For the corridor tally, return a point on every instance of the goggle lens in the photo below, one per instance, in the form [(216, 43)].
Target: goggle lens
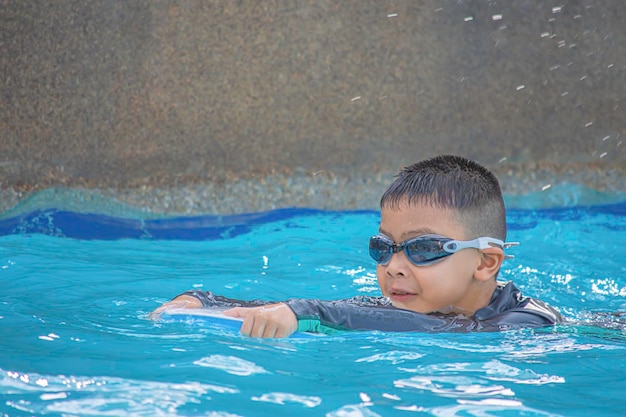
[(380, 250), (421, 250)]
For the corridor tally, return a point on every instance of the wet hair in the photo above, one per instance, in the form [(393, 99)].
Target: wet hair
[(455, 183)]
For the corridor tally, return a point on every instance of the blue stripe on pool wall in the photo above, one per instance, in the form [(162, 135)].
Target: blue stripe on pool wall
[(69, 224), (74, 225)]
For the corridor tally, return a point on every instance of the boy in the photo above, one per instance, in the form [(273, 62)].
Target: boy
[(439, 250)]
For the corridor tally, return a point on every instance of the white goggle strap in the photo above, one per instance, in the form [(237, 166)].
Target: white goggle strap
[(478, 243)]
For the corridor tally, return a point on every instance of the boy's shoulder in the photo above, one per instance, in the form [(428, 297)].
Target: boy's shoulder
[(510, 308)]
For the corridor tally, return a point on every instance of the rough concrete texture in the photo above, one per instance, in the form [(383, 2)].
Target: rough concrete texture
[(229, 106)]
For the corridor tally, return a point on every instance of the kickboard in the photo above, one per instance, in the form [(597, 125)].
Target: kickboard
[(216, 318)]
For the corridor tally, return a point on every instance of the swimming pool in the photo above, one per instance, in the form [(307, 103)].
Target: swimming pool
[(76, 341)]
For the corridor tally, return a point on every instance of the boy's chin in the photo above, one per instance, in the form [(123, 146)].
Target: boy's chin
[(407, 306), (447, 310), (453, 310)]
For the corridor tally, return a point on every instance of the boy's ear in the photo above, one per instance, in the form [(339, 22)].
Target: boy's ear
[(490, 263)]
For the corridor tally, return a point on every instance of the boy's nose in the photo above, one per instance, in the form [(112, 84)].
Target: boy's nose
[(398, 264)]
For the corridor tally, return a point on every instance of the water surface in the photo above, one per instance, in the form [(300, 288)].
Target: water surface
[(76, 341)]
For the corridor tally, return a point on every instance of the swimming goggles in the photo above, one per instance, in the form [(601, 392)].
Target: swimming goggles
[(428, 249)]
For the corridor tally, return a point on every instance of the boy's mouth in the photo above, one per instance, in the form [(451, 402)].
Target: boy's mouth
[(399, 295)]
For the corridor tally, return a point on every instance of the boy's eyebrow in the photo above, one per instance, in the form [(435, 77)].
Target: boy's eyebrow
[(410, 233)]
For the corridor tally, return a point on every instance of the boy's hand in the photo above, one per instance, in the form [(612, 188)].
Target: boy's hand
[(273, 320), (183, 301)]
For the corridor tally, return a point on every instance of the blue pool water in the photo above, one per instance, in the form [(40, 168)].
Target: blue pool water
[(75, 339)]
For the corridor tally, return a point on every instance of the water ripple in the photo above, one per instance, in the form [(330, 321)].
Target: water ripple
[(453, 386), (231, 364), (91, 396), (285, 397), (394, 356)]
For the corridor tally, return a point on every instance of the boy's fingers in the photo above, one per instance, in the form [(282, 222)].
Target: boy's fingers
[(252, 326), (280, 321), (269, 330), (271, 321), (156, 314), (182, 301), (283, 332), (258, 330)]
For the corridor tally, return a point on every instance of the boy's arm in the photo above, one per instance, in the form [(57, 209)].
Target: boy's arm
[(328, 317), (333, 316), (200, 299)]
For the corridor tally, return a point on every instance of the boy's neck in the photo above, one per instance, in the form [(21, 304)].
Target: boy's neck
[(479, 296)]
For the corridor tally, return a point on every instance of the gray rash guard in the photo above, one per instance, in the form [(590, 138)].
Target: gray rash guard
[(508, 309)]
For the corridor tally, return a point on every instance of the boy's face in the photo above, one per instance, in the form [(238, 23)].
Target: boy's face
[(447, 286)]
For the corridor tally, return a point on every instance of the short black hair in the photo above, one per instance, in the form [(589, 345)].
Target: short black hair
[(469, 189)]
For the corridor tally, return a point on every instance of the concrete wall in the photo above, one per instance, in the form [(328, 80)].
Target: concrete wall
[(136, 95)]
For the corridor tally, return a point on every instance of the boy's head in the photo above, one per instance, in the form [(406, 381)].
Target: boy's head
[(469, 190), (429, 254)]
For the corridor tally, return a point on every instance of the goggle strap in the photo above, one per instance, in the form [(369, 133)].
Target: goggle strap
[(453, 246), (508, 245)]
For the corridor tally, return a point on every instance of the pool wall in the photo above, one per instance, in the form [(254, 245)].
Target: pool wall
[(228, 107)]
